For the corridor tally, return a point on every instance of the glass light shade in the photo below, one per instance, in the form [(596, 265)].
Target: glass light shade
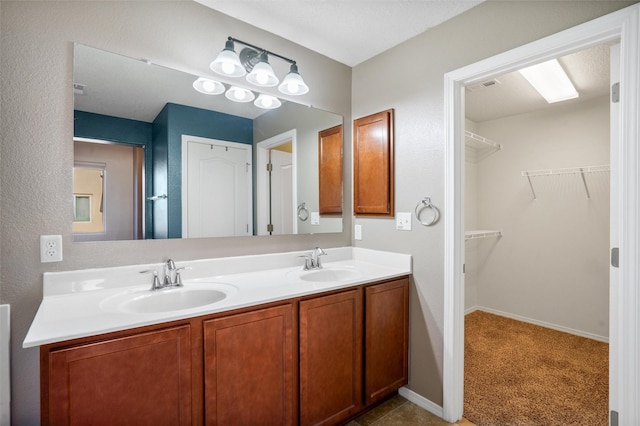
[(238, 94), (262, 75), (228, 63), (208, 86), (550, 80), (293, 84), (267, 102)]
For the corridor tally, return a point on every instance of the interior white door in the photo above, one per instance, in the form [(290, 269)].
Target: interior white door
[(216, 192), (281, 192)]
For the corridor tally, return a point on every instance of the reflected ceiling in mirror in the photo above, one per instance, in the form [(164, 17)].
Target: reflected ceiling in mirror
[(120, 100)]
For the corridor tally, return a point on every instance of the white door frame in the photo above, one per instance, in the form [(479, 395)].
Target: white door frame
[(185, 180), (262, 182), (624, 352)]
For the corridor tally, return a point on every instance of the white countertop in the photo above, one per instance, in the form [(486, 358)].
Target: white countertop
[(73, 302)]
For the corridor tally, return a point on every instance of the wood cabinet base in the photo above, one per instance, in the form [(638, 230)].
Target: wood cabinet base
[(298, 361)]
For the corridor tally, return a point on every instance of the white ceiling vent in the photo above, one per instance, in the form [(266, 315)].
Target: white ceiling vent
[(484, 85)]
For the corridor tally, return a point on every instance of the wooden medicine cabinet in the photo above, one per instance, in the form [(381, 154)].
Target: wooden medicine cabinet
[(330, 170), (373, 165)]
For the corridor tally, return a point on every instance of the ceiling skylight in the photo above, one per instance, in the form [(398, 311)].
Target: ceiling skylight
[(550, 80)]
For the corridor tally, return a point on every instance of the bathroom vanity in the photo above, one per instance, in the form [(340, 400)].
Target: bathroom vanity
[(286, 347)]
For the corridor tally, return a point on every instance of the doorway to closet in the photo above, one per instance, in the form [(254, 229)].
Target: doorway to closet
[(622, 26), (537, 243)]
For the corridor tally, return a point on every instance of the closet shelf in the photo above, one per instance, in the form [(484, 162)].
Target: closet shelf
[(472, 235), (565, 171), (478, 147)]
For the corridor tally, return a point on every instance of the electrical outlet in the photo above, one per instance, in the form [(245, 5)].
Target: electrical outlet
[(50, 248), (403, 221), (358, 232)]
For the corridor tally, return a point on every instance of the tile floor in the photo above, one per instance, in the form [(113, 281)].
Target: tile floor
[(398, 411)]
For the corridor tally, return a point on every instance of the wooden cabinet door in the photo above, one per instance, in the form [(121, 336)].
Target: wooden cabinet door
[(386, 338), (330, 170), (143, 380), (249, 368), (330, 358), (373, 165)]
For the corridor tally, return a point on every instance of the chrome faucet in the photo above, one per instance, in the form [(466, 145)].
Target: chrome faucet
[(315, 258), (169, 268), (171, 276)]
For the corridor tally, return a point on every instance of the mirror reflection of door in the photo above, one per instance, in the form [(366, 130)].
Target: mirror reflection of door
[(276, 186), (280, 189), (107, 191), (216, 182)]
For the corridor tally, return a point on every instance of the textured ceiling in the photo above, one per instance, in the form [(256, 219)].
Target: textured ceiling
[(348, 31)]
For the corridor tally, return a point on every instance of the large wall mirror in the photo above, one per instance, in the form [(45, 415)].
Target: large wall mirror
[(173, 162)]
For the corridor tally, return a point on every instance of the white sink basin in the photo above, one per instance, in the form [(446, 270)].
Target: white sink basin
[(330, 274), (168, 300)]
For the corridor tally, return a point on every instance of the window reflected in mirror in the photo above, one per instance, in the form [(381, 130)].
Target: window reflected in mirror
[(107, 191)]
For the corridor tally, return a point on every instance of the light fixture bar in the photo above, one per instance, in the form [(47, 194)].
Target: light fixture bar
[(550, 80), (260, 49)]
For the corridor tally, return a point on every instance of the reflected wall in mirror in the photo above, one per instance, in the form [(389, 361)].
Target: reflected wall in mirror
[(124, 102)]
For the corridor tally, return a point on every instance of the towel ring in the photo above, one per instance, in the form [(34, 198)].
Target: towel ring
[(426, 204), (303, 213)]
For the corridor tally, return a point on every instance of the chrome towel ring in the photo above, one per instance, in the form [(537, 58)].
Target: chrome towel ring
[(425, 204), (303, 213)]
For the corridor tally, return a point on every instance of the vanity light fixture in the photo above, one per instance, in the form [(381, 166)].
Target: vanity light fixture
[(239, 94), (208, 86), (267, 102), (255, 61), (551, 81), (262, 74), (227, 62)]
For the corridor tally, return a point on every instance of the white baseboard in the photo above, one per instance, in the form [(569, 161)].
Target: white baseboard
[(575, 332), (421, 401)]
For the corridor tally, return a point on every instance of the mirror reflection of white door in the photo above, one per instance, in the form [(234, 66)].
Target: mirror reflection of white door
[(216, 188), (280, 192), (284, 192)]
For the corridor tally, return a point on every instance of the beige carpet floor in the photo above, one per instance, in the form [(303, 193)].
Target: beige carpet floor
[(522, 374)]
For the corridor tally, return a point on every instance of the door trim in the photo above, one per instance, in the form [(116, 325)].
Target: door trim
[(262, 183), (623, 25)]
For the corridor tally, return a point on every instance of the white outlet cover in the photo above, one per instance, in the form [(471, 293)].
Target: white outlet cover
[(50, 248), (403, 221)]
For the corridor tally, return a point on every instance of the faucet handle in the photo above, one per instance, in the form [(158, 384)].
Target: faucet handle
[(178, 281), (307, 262), (156, 281)]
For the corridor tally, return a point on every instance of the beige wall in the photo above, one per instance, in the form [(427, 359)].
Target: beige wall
[(552, 263), (409, 78), (36, 156)]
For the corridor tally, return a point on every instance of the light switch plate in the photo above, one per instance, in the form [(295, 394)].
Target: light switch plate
[(358, 232), (403, 221), (315, 218)]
